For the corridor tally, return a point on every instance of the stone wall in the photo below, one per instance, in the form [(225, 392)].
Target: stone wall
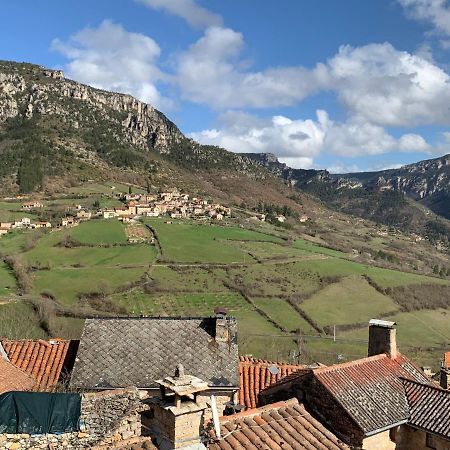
[(408, 438), (380, 441), (106, 418)]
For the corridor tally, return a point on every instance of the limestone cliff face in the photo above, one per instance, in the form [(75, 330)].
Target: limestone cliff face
[(27, 89)]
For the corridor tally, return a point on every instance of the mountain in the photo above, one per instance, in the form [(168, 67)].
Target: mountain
[(55, 132), (427, 182)]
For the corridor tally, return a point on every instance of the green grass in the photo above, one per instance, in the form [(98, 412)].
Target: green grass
[(271, 250), (19, 321), (307, 246), (351, 300), (283, 314), (100, 232), (185, 242), (13, 242), (50, 256), (67, 284), (8, 283)]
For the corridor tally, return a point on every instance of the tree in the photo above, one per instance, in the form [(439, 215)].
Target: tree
[(130, 189)]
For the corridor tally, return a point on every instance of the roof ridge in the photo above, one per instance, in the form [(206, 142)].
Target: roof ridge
[(432, 386), (353, 363), (255, 411)]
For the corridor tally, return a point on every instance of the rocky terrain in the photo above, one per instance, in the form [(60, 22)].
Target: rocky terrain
[(55, 131)]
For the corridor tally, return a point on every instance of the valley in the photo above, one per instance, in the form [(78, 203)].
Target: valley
[(296, 296)]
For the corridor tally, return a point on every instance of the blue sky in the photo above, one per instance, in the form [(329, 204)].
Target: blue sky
[(340, 84)]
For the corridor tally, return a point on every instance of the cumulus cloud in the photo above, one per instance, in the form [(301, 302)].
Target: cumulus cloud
[(195, 15), (297, 141), (112, 58), (390, 87), (376, 82), (210, 72), (435, 12), (358, 138)]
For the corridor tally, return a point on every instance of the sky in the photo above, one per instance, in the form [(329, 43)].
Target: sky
[(343, 85)]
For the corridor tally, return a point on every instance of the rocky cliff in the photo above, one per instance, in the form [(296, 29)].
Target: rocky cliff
[(28, 89)]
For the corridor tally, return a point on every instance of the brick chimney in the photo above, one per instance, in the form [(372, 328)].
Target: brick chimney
[(382, 338), (222, 326), (178, 413), (444, 379)]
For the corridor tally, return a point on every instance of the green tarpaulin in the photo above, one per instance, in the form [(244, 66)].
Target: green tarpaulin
[(39, 412)]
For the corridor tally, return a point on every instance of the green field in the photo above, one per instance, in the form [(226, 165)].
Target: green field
[(100, 232), (183, 242), (351, 300), (256, 276)]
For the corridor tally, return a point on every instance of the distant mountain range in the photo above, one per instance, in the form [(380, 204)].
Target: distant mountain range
[(55, 132)]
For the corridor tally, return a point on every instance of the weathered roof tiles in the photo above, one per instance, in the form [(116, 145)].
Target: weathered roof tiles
[(257, 374), (286, 425), (43, 360), (137, 351)]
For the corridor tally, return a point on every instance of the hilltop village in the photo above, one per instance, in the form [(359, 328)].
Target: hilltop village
[(171, 204)]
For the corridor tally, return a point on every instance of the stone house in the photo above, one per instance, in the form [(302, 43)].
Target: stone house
[(82, 214), (3, 231), (109, 213), (428, 424), (6, 225), (121, 352), (32, 205), (361, 401)]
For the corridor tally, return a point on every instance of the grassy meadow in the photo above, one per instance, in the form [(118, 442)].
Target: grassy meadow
[(288, 294)]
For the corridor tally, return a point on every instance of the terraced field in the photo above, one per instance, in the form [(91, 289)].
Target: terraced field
[(289, 295)]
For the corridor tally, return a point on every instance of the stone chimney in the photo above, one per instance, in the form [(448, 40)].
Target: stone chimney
[(222, 327), (444, 379), (178, 413), (382, 338)]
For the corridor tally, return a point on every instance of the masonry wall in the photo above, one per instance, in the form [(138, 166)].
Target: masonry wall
[(106, 418), (408, 438), (380, 441)]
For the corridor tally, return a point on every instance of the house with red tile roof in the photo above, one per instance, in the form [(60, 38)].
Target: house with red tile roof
[(283, 425), (14, 379), (362, 400), (257, 374), (47, 362)]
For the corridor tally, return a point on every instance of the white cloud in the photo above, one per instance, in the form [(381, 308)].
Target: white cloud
[(112, 58), (435, 12), (210, 72), (296, 142), (188, 10), (357, 138), (390, 87), (375, 82)]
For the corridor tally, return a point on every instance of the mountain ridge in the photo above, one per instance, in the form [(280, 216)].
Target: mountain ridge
[(51, 127)]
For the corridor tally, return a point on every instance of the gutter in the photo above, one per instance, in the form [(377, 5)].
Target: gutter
[(386, 428)]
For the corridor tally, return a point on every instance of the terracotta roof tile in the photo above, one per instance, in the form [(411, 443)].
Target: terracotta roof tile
[(14, 379), (255, 376), (43, 360), (429, 407), (283, 425)]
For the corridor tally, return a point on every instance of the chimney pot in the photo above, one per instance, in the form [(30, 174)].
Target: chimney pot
[(382, 338)]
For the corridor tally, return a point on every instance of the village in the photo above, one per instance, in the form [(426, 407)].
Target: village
[(171, 204), (181, 383)]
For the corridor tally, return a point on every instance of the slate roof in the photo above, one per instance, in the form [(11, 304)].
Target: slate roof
[(370, 389), (14, 379), (429, 408), (43, 360), (125, 352), (286, 425), (255, 376)]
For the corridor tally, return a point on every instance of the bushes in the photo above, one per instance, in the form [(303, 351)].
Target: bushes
[(420, 296), (21, 272)]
